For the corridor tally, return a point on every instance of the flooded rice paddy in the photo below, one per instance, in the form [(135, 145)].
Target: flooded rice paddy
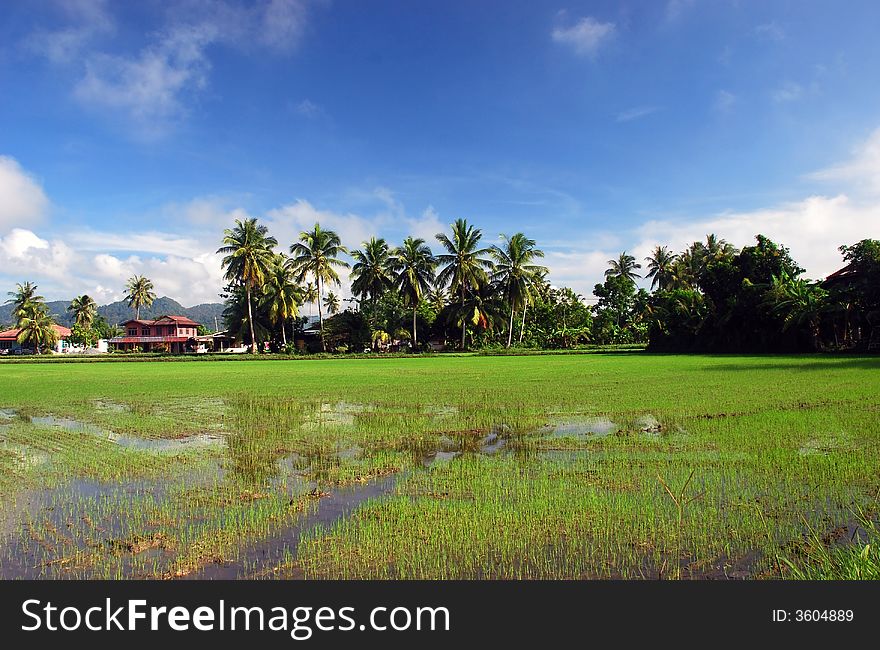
[(485, 484)]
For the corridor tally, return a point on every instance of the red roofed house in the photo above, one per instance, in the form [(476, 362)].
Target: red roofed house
[(9, 340), (175, 334)]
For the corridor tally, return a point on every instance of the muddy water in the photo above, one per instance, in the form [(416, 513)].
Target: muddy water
[(28, 551), (269, 552)]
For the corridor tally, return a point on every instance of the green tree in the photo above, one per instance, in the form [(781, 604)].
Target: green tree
[(37, 328), (623, 267), (24, 296), (513, 272), (281, 294), (661, 267), (84, 309), (463, 269), (331, 302), (800, 303), (139, 293), (316, 254), (414, 266), (248, 259), (371, 274)]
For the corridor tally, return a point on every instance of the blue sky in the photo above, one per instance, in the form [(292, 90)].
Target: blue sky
[(131, 134)]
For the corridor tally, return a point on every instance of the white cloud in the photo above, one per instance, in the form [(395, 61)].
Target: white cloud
[(426, 226), (149, 88), (287, 222), (788, 92), (308, 108), (676, 8), (636, 113), (770, 31), (862, 171), (152, 87), (812, 229), (88, 19), (586, 36), (22, 200), (724, 101)]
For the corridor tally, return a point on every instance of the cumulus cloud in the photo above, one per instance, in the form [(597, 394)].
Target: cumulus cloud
[(862, 171), (812, 229), (288, 221), (586, 36), (23, 201)]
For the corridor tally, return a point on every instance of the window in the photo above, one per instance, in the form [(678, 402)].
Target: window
[(145, 331), (132, 331)]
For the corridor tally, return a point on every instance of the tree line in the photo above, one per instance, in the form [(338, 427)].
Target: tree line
[(710, 296)]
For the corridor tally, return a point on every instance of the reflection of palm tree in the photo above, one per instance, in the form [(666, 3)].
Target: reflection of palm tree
[(623, 267), (371, 273), (660, 267), (464, 270), (248, 258), (84, 311), (315, 254), (514, 271), (414, 264), (139, 293)]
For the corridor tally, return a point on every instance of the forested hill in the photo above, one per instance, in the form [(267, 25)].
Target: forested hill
[(118, 312)]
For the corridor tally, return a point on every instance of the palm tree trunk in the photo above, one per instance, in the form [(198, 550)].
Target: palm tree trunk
[(510, 326), (522, 329), (283, 333), (415, 333), (251, 321), (321, 316), (463, 319)]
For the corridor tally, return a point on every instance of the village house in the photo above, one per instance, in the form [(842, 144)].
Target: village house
[(174, 334), (9, 341)]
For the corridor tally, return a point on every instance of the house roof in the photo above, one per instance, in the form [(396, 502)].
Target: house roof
[(179, 320), (12, 335)]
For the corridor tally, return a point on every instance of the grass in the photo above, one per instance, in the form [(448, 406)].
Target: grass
[(746, 467)]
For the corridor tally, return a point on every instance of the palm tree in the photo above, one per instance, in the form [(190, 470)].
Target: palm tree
[(537, 283), (623, 267), (331, 302), (371, 273), (37, 328), (799, 303), (414, 265), (310, 295), (282, 294), (437, 299), (660, 267), (315, 254), (84, 310), (139, 293), (463, 268), (514, 270), (20, 299), (248, 259)]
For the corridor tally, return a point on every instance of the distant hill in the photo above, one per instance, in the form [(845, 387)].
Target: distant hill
[(118, 312)]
